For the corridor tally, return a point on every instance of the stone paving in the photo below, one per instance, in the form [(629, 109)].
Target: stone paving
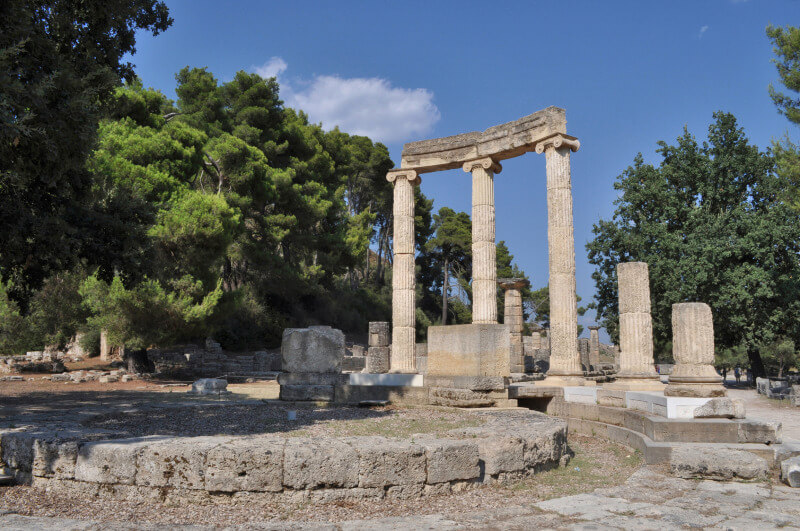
[(648, 500)]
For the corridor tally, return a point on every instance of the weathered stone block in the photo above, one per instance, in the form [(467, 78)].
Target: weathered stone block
[(110, 462), (17, 450), (469, 350), (721, 408), (757, 431), (322, 393), (383, 462), (314, 349), (209, 386), (311, 464), (179, 462), (379, 334), (501, 454), (54, 459), (377, 360), (246, 465), (790, 471), (450, 460), (717, 463)]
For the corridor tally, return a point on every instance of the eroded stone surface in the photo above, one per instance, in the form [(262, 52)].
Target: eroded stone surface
[(313, 349), (717, 463), (721, 408)]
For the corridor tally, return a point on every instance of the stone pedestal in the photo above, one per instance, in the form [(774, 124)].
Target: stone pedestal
[(484, 261), (637, 370), (693, 349), (565, 363), (512, 316), (403, 359), (470, 350), (311, 361)]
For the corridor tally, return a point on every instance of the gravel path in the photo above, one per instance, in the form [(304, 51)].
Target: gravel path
[(646, 500), (761, 407)]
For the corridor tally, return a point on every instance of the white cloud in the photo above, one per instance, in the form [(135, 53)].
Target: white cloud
[(272, 68), (360, 106), (703, 29)]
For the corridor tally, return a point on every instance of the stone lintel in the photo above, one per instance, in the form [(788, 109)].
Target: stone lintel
[(513, 283), (500, 142)]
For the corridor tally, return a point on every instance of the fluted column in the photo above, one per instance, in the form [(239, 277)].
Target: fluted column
[(564, 356), (635, 322), (403, 357), (484, 264), (693, 350)]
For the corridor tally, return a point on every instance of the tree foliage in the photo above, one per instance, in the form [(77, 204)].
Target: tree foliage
[(59, 61), (710, 223)]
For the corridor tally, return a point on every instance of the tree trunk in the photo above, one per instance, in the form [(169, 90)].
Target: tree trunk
[(756, 364), (445, 285)]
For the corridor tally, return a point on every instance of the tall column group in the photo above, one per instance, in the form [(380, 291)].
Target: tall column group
[(564, 356), (403, 356), (484, 263)]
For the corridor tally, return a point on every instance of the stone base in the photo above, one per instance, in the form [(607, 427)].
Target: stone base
[(611, 397), (565, 381), (695, 390), (391, 380), (632, 384), (473, 383), (469, 350)]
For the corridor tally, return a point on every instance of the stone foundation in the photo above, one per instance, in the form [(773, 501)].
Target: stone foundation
[(508, 445)]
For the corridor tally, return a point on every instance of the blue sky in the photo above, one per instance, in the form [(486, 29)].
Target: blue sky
[(628, 73)]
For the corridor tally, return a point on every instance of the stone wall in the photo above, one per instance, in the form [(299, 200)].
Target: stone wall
[(210, 361)]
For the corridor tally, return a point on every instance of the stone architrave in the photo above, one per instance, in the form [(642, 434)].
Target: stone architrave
[(594, 347), (512, 316), (693, 349), (484, 261), (565, 362), (637, 369), (403, 358)]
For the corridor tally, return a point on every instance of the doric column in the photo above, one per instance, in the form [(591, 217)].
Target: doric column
[(484, 264), (403, 358), (693, 350), (564, 357), (512, 316), (594, 347)]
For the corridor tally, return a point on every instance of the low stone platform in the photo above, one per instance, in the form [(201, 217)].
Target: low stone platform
[(504, 445)]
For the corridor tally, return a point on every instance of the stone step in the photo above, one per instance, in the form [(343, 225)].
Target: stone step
[(5, 480)]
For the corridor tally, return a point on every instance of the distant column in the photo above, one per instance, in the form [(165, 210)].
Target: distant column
[(403, 358), (484, 263), (564, 356), (105, 348), (512, 316), (594, 347), (693, 350)]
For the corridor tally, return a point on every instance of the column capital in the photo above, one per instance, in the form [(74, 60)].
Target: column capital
[(512, 283), (594, 327), (412, 176), (486, 163), (557, 140)]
